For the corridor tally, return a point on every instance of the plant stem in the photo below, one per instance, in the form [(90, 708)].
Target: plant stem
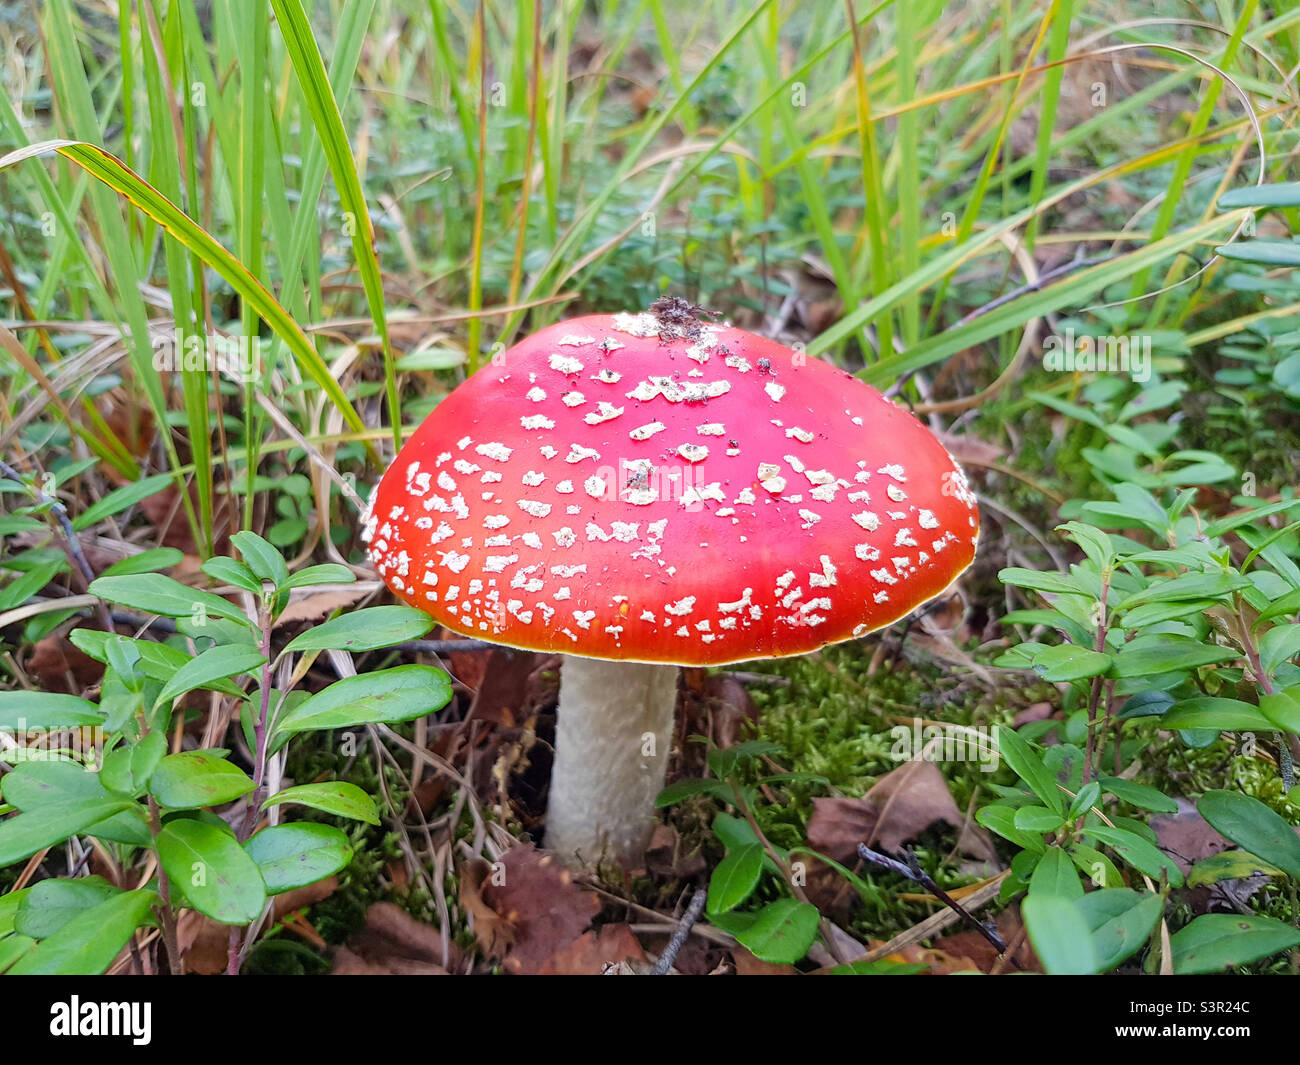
[(1094, 697), (253, 807), (1285, 761), (171, 941)]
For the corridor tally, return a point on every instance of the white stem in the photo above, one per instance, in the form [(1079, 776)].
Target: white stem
[(612, 740)]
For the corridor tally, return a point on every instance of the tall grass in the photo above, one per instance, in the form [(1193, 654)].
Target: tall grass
[(382, 188)]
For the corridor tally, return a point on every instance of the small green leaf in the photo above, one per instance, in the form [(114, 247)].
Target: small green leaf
[(213, 872), (1186, 586), (398, 694), (1267, 252), (1085, 800), (34, 786), (154, 593), (215, 664), (1002, 821), (1121, 921), (1060, 935), (1280, 643), (24, 711), (119, 499), (1229, 865), (192, 779), (1038, 819), (23, 834), (1217, 941), (782, 933), (1099, 869), (52, 903), (684, 789), (1137, 852), (1167, 655), (336, 797), (735, 878), (128, 769), (148, 561), (1275, 194), (1282, 709), (297, 854), (1066, 662), (364, 630), (723, 760), (231, 571), (1143, 796), (1054, 875), (263, 559), (87, 944), (1230, 715), (1042, 581), (326, 573), (1029, 767), (1252, 825), (1095, 543), (157, 661)]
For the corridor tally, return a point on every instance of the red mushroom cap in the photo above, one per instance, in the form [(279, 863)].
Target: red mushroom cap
[(698, 497)]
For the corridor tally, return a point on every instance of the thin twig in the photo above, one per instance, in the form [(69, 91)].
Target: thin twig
[(675, 944), (75, 553), (913, 872)]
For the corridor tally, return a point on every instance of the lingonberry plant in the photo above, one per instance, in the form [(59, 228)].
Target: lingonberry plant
[(1163, 625), (178, 826)]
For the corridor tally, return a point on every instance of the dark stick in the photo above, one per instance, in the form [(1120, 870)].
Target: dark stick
[(913, 872), (675, 944), (60, 513)]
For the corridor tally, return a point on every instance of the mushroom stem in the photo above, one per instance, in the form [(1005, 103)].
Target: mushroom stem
[(612, 740)]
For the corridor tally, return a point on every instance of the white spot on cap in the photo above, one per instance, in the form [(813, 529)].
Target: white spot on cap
[(536, 509), (565, 364), (645, 432), (577, 453), (825, 579), (496, 452), (774, 390), (606, 412), (867, 520), (693, 452), (637, 325), (536, 421)]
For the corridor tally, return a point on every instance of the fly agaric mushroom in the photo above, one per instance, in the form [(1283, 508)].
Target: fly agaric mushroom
[(646, 491)]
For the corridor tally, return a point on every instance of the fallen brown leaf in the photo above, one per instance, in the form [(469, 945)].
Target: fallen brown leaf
[(902, 805), (394, 942), (538, 899), (593, 951), (748, 965), (493, 933)]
